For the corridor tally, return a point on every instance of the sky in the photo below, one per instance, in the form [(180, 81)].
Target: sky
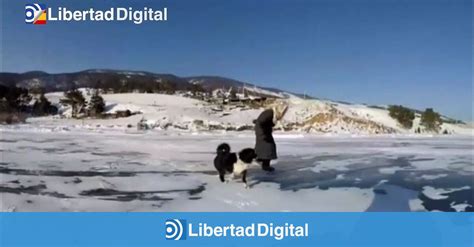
[(416, 53)]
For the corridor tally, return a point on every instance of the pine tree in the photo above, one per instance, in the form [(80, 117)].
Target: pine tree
[(17, 98), (43, 107), (233, 94), (403, 115), (96, 104), (168, 87), (75, 99), (196, 89), (431, 120)]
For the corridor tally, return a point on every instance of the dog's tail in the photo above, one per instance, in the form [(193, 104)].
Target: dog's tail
[(223, 148)]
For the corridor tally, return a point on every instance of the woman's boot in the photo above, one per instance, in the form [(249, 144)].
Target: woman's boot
[(266, 166)]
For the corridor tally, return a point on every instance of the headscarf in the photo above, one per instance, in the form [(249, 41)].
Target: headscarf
[(279, 110)]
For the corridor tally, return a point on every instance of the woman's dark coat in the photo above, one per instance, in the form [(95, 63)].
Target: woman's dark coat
[(265, 145)]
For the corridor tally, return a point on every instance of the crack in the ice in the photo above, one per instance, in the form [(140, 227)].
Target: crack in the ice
[(32, 190), (111, 194), (61, 173)]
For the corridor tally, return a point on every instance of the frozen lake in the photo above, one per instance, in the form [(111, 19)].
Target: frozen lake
[(93, 170)]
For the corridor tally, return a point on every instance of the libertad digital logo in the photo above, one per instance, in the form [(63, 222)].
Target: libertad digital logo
[(175, 229), (35, 14), (38, 14), (178, 230)]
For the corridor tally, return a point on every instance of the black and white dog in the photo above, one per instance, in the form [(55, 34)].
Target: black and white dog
[(237, 164)]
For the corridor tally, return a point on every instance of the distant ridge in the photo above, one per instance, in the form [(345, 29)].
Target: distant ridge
[(90, 78)]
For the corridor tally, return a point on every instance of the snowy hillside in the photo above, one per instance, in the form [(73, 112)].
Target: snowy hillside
[(216, 82), (322, 116), (162, 111)]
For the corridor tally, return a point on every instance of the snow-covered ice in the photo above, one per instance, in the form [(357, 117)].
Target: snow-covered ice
[(74, 169)]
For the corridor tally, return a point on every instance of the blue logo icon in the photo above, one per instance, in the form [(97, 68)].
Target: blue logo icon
[(174, 229)]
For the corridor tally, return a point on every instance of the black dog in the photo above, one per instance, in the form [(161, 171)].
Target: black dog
[(227, 162)]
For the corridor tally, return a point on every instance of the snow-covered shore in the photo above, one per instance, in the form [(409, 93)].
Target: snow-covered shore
[(175, 112)]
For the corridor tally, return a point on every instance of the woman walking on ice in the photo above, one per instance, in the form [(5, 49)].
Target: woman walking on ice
[(265, 146)]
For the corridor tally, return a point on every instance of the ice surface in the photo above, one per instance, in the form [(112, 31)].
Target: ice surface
[(78, 169)]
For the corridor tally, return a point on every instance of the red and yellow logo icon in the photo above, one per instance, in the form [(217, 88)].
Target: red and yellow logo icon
[(35, 14)]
